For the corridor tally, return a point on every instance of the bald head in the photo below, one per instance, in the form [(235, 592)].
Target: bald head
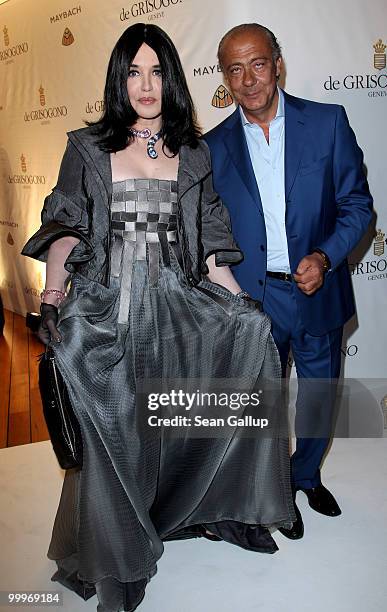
[(249, 28), (250, 58)]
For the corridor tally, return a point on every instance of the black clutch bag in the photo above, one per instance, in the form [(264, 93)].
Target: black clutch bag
[(62, 424)]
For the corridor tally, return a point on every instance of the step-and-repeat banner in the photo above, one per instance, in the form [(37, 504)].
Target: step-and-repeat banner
[(53, 59)]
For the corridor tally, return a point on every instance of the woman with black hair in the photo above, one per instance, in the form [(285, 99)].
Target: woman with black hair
[(135, 222)]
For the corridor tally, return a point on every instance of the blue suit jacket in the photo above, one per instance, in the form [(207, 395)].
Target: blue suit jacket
[(328, 203)]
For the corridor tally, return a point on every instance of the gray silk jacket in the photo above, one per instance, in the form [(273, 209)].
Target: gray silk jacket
[(79, 205)]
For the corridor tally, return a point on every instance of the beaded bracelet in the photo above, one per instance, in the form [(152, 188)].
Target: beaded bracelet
[(59, 295), (242, 294)]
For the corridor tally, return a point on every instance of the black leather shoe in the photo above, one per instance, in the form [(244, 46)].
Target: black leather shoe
[(250, 537), (322, 500), (192, 531), (208, 535), (72, 582), (297, 530)]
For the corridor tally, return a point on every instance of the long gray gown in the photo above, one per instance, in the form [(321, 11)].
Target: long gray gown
[(136, 488)]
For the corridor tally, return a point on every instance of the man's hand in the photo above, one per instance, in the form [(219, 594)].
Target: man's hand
[(310, 273)]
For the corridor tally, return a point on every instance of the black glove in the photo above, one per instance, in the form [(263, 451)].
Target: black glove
[(47, 329)]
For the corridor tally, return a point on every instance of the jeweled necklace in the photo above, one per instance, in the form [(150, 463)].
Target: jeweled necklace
[(146, 133)]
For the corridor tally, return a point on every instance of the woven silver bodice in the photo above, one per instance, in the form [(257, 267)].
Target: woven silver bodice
[(143, 214)]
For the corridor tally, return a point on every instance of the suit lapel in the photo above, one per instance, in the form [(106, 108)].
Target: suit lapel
[(295, 134), (236, 145)]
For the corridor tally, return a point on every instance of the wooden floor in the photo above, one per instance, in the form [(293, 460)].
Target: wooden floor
[(21, 415)]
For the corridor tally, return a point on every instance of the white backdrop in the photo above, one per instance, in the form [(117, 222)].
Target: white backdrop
[(53, 58)]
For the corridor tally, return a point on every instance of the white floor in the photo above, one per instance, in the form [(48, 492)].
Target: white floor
[(339, 566)]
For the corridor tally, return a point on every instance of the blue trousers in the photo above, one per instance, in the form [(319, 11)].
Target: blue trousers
[(317, 360)]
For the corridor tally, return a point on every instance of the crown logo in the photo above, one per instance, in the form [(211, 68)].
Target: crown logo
[(23, 163), (379, 46), (67, 38), (222, 98), (379, 55), (6, 36), (379, 243), (10, 240), (42, 97)]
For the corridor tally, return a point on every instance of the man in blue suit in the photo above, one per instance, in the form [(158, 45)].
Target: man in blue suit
[(291, 174)]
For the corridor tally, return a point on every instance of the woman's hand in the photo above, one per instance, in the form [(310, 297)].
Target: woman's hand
[(47, 329), (222, 275), (56, 276)]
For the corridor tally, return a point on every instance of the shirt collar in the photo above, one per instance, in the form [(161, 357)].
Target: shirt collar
[(280, 109)]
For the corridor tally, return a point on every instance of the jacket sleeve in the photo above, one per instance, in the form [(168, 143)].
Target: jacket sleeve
[(65, 213), (353, 199), (216, 225)]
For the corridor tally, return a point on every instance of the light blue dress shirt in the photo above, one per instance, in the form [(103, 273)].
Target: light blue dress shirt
[(268, 160)]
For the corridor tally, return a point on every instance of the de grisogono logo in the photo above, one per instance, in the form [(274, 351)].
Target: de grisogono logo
[(373, 269), (23, 163), (350, 350), (95, 107), (375, 84), (149, 9), (11, 50), (26, 179), (6, 36), (379, 242), (379, 55), (45, 114)]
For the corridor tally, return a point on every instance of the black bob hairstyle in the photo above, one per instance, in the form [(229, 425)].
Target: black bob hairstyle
[(179, 125)]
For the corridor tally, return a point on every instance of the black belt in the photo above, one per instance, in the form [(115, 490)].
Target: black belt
[(284, 276)]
